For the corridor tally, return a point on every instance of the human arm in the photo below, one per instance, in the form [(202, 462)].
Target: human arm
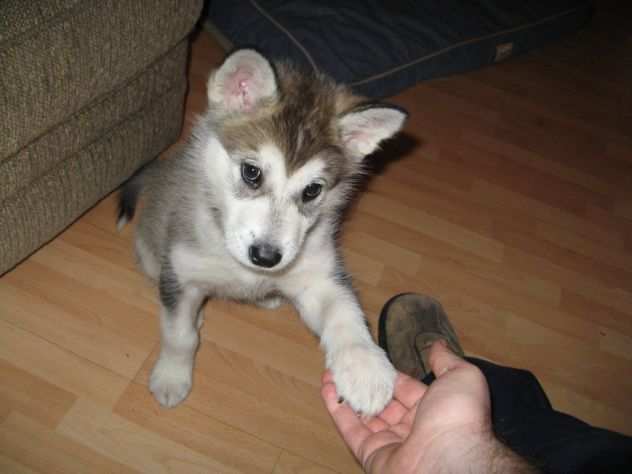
[(443, 428)]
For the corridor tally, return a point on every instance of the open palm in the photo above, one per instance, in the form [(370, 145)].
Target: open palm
[(421, 425)]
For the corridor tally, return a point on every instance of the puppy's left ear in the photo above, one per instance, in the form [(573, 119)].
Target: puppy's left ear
[(363, 129), (242, 82)]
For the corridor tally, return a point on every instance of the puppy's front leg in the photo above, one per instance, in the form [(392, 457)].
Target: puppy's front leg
[(171, 377), (363, 375)]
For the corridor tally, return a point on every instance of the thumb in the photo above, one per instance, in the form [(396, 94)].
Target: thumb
[(442, 359)]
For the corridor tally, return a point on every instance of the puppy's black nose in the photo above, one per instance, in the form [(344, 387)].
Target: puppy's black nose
[(264, 255)]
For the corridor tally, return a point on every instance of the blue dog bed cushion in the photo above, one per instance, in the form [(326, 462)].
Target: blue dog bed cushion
[(382, 47)]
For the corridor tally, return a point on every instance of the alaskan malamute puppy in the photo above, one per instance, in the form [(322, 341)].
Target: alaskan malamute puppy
[(249, 211)]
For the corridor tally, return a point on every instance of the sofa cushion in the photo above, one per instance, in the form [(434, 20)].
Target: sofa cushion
[(57, 56), (50, 202), (87, 125), (379, 47)]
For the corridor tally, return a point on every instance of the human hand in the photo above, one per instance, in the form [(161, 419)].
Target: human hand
[(444, 427)]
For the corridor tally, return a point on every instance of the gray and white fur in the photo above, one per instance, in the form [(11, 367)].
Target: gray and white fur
[(249, 210)]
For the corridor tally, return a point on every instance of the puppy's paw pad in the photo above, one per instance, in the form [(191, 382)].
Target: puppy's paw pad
[(364, 377), (170, 383)]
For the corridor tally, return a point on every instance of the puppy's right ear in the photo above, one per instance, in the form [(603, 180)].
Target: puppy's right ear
[(363, 129), (242, 82)]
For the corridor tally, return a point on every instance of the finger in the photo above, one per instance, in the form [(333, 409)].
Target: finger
[(442, 359), (402, 430), (351, 427), (408, 390), (327, 377), (394, 412), (376, 424)]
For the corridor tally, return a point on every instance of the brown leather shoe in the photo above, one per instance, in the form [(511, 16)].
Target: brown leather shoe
[(409, 324)]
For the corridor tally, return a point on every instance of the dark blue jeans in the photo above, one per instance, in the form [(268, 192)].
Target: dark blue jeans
[(524, 420)]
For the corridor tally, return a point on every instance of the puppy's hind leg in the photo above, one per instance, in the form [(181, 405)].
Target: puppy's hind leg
[(171, 377)]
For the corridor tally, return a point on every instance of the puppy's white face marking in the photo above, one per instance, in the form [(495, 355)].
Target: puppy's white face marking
[(273, 214)]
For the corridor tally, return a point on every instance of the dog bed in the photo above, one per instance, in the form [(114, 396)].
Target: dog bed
[(381, 47)]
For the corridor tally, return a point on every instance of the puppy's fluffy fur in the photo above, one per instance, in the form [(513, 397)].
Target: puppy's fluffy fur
[(249, 210)]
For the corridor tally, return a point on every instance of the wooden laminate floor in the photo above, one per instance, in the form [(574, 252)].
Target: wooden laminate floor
[(510, 199)]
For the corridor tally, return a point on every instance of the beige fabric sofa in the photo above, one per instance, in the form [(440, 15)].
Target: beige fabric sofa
[(89, 91)]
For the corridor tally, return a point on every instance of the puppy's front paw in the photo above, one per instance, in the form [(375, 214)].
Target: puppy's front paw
[(170, 382), (364, 377)]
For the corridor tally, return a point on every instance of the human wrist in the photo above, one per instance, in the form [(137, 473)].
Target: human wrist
[(472, 453), (504, 460)]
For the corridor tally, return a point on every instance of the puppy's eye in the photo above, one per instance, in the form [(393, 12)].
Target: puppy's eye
[(312, 191), (251, 175)]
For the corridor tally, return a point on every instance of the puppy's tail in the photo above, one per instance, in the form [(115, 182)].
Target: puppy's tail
[(128, 198)]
